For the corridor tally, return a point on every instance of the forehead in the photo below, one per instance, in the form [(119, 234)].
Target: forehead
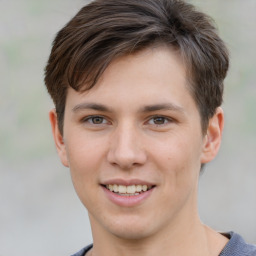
[(152, 76)]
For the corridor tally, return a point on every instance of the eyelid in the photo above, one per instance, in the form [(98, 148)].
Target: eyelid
[(106, 121), (168, 119), (90, 117)]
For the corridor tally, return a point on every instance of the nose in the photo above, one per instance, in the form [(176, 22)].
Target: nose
[(126, 149)]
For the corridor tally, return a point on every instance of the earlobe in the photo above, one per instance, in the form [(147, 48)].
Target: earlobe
[(212, 139), (58, 138)]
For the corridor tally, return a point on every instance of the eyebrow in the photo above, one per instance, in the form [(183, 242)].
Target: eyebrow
[(94, 106), (164, 106), (144, 109)]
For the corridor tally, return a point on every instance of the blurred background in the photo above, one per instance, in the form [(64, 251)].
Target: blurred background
[(40, 213)]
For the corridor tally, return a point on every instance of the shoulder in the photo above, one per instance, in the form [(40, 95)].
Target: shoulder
[(83, 251), (238, 247), (235, 247)]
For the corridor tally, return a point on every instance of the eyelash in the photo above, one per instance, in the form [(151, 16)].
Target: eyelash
[(166, 120), (89, 119)]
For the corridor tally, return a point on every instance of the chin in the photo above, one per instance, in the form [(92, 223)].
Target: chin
[(134, 229), (129, 234)]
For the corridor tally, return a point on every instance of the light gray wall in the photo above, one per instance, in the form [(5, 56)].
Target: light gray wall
[(39, 211)]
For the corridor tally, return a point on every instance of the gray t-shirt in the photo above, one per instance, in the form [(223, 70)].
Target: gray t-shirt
[(235, 247)]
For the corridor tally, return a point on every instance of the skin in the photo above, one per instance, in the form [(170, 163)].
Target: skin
[(140, 122)]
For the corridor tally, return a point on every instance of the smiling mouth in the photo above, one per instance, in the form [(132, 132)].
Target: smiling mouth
[(132, 190)]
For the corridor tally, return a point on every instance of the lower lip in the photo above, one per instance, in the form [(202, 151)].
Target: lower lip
[(127, 201)]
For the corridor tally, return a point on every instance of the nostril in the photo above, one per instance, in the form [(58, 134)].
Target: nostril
[(126, 160)]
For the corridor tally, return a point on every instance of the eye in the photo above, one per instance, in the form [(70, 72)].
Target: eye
[(159, 120), (95, 120)]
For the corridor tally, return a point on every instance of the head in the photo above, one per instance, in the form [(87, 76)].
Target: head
[(103, 31), (137, 86)]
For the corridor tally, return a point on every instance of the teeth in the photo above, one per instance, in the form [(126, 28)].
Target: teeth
[(144, 188), (115, 188), (138, 188), (135, 194), (122, 189), (128, 190), (131, 189)]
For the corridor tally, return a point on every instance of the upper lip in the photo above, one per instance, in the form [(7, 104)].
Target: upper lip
[(127, 182)]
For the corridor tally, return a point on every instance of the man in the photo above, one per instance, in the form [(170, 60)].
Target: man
[(137, 87)]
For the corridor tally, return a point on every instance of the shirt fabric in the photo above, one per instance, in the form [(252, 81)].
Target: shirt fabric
[(235, 247)]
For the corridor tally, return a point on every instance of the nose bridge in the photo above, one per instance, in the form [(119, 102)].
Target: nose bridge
[(125, 146)]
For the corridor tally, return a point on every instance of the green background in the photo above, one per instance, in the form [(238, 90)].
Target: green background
[(40, 213)]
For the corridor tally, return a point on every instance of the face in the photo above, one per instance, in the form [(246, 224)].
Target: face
[(134, 146)]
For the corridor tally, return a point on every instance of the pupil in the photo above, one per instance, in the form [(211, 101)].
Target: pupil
[(97, 120), (158, 120)]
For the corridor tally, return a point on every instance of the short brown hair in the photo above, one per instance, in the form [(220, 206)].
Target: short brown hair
[(104, 30)]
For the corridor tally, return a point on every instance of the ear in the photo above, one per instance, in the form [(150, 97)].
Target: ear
[(212, 139), (58, 138)]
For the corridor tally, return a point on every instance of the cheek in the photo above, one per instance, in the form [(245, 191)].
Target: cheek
[(85, 157), (84, 162), (178, 157)]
